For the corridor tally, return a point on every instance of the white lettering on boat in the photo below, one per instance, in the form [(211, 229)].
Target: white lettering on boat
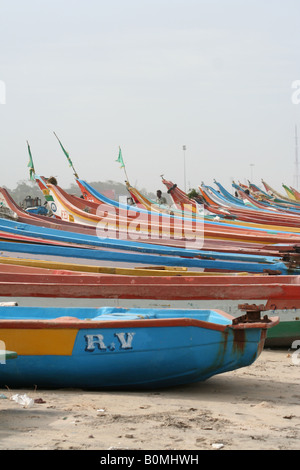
[(97, 341), (64, 214), (125, 343), (93, 340)]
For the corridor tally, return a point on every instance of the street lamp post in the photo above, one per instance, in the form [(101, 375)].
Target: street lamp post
[(251, 165), (184, 173)]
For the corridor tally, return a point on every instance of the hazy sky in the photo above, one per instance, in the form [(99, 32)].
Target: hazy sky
[(150, 76)]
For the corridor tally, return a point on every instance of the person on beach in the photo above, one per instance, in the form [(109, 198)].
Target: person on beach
[(160, 199), (246, 201), (52, 180)]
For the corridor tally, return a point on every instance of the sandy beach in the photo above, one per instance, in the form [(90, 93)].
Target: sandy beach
[(254, 408)]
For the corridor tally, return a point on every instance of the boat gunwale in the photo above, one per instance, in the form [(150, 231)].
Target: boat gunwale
[(74, 323)]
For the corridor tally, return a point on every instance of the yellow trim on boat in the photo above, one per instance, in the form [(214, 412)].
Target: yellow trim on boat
[(39, 341), (145, 271)]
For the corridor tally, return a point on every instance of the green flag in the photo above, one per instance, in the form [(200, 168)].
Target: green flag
[(66, 154), (120, 159), (30, 165)]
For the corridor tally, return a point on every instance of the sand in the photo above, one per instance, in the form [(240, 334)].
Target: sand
[(254, 408)]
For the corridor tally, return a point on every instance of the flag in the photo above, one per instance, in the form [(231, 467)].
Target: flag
[(67, 155), (30, 165), (64, 150), (120, 159)]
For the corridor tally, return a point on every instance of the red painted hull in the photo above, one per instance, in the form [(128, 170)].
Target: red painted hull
[(21, 281)]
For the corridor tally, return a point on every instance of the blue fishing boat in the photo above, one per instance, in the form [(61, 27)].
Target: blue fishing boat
[(114, 348)]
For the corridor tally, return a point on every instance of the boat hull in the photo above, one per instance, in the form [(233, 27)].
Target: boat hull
[(281, 335), (37, 287), (284, 334), (141, 349)]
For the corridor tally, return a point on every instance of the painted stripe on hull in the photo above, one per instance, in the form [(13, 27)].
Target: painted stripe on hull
[(39, 342)]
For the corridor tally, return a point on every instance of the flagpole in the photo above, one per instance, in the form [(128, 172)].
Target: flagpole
[(120, 160), (30, 164), (126, 174), (68, 157)]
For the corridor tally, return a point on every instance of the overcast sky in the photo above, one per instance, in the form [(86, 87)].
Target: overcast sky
[(150, 76)]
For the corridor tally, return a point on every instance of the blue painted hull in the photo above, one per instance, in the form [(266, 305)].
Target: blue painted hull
[(53, 235), (115, 348), (221, 262), (180, 361)]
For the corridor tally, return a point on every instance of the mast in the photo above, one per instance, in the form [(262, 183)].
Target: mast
[(296, 176)]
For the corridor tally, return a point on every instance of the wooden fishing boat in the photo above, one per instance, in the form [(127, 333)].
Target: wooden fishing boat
[(180, 199), (210, 241), (284, 213), (224, 204), (295, 193), (289, 193), (49, 243), (37, 286), (189, 209), (49, 222), (263, 200), (254, 213), (227, 237), (89, 268), (67, 206), (170, 227), (271, 191), (118, 348), (128, 221), (217, 261), (34, 286), (18, 214), (170, 232), (91, 194), (16, 231)]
